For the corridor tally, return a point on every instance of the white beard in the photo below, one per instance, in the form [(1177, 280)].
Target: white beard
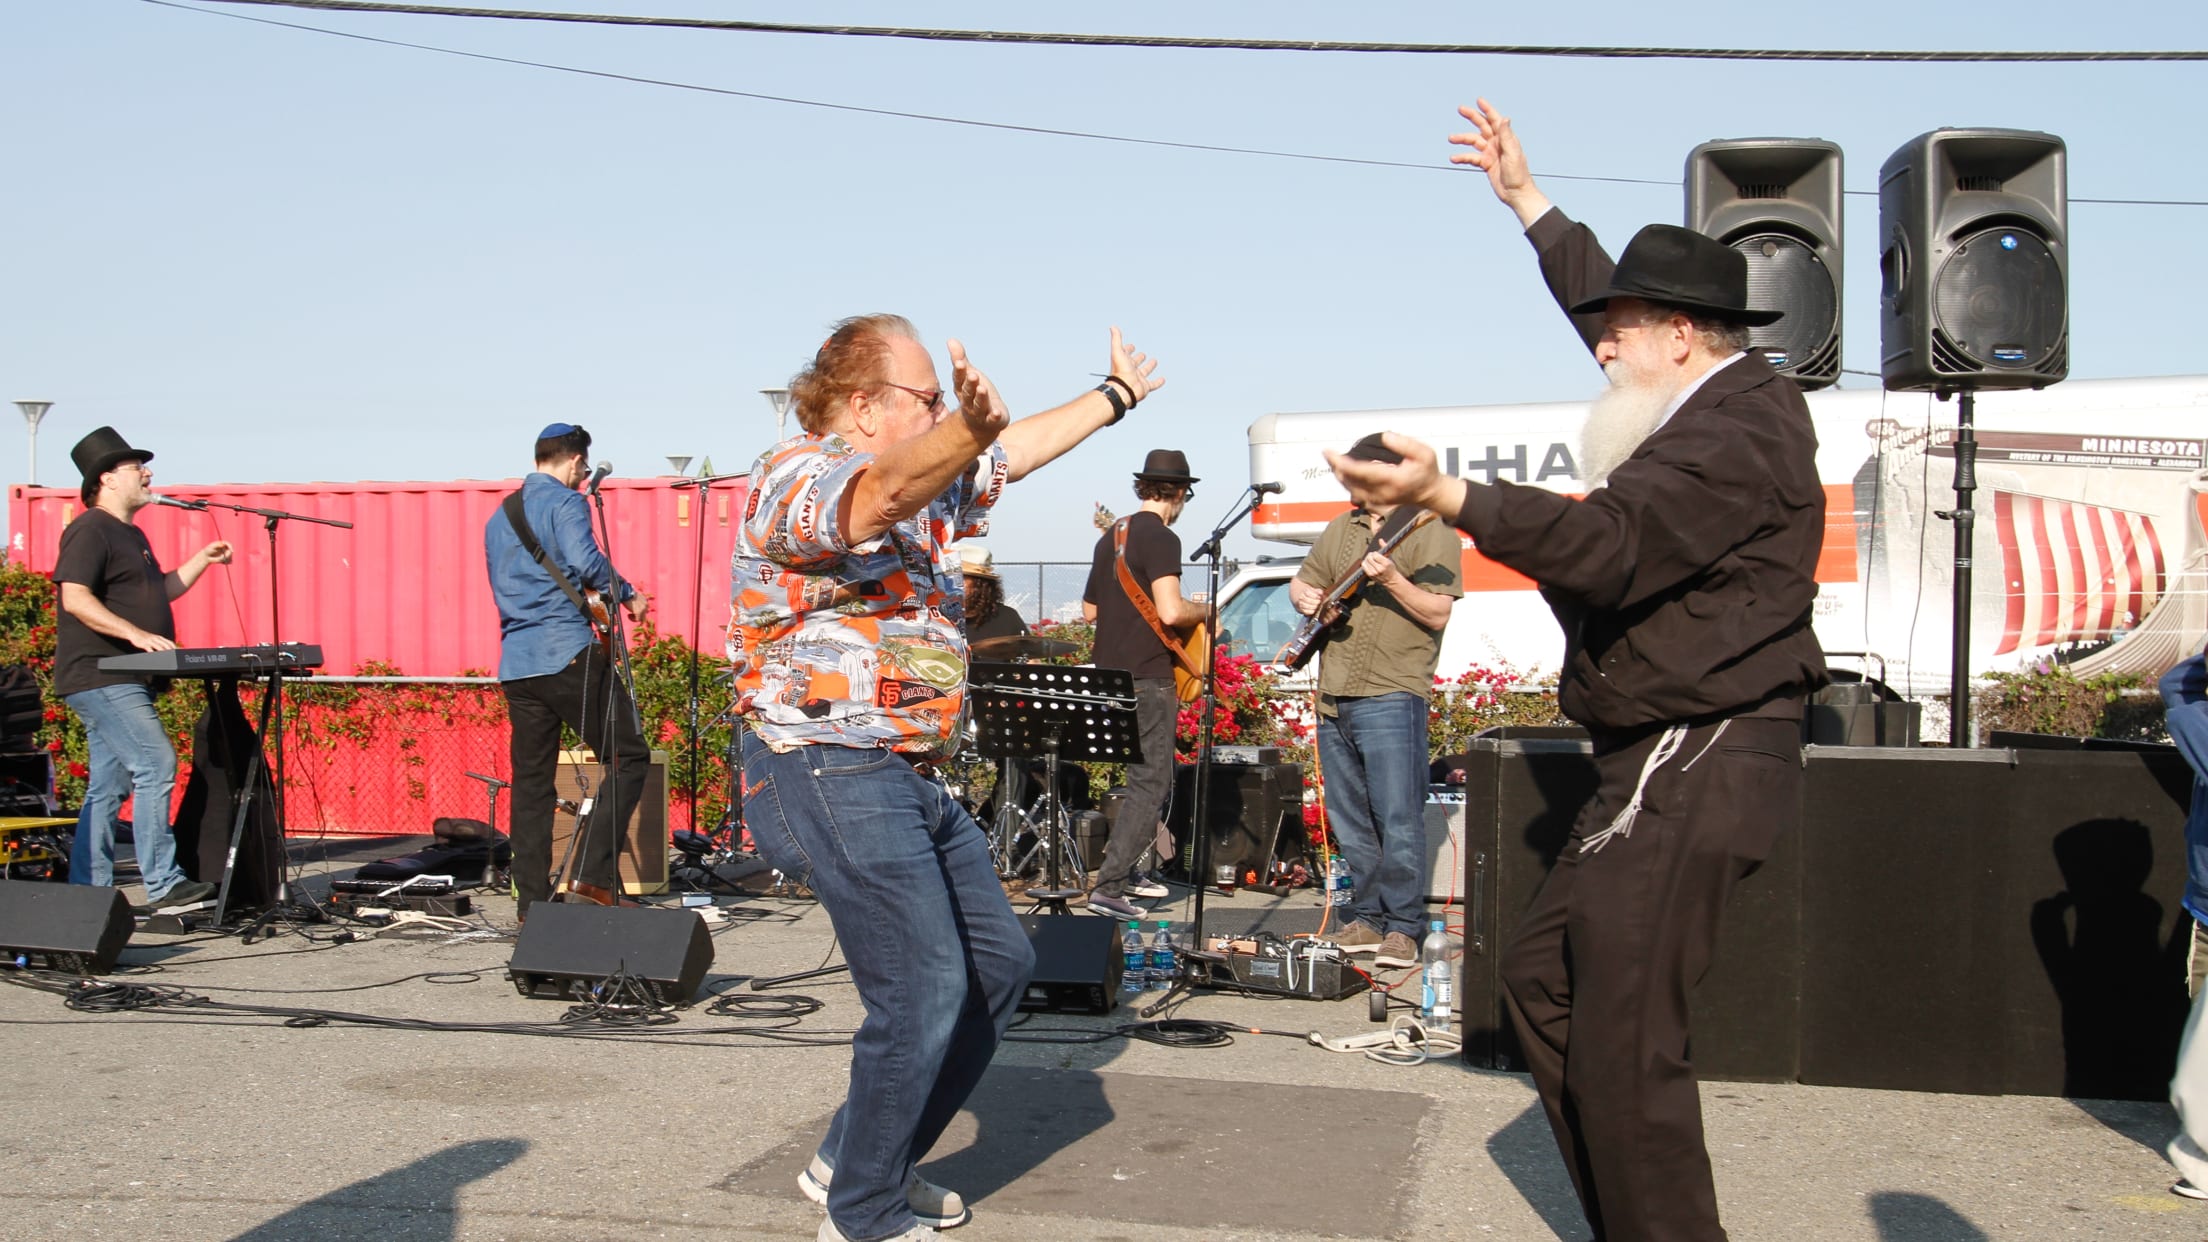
[(1618, 421)]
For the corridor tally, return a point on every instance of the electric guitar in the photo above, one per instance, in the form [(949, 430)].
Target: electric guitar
[(1298, 650)]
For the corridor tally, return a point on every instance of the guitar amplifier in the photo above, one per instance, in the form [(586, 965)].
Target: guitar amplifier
[(643, 862)]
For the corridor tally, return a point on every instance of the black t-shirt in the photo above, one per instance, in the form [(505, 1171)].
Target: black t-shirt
[(112, 559), (1002, 623), (1123, 638)]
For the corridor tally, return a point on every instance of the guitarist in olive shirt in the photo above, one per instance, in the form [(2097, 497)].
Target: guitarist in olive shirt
[(114, 601), (1376, 678), (1125, 639)]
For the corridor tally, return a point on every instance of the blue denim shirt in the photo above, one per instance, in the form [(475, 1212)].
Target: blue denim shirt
[(540, 630), (2185, 695)]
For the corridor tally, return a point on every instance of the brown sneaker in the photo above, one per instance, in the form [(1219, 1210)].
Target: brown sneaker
[(1355, 937), (1396, 950)]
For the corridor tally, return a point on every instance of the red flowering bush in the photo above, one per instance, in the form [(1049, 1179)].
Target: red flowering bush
[(1483, 697)]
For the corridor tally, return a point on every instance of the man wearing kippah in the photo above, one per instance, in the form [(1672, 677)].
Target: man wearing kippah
[(556, 671)]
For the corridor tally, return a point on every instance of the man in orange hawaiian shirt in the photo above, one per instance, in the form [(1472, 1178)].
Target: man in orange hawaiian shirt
[(850, 667)]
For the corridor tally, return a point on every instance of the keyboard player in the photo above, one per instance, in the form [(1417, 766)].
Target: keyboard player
[(115, 600)]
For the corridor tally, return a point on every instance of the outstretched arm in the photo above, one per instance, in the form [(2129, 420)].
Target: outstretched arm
[(1037, 440)]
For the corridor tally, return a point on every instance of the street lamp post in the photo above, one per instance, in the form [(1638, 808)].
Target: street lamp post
[(779, 398), (32, 412)]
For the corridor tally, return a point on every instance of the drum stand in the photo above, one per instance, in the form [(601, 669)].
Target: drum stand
[(1025, 710)]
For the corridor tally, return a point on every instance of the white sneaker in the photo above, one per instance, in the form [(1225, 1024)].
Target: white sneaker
[(1139, 885), (918, 1233), (934, 1207)]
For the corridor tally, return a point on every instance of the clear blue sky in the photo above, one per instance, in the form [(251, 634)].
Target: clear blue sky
[(272, 255)]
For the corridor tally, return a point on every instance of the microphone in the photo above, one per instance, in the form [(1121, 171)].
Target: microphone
[(1268, 489), (598, 476), (173, 503)]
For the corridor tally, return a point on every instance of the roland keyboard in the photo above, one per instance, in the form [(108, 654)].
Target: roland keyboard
[(217, 661)]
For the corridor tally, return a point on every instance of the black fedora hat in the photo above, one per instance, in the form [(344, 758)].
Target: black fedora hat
[(1680, 267), (100, 449), (1166, 466)]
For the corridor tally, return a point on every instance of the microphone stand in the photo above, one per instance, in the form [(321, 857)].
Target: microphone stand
[(735, 814), (620, 688), (1187, 973), (272, 713)]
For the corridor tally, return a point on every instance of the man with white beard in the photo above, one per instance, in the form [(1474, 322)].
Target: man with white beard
[(1683, 583)]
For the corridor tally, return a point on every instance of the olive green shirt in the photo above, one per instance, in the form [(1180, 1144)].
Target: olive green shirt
[(1377, 648)]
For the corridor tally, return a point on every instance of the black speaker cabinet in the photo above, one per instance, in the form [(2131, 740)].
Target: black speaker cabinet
[(643, 863), (74, 927), (1254, 807), (1521, 798), (1778, 202), (566, 949), (1078, 964), (1974, 261)]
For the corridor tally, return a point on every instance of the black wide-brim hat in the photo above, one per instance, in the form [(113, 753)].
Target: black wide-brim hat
[(1682, 268), (1166, 466), (99, 450)]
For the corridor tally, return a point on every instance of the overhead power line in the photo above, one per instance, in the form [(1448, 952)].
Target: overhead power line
[(1243, 45), (969, 122)]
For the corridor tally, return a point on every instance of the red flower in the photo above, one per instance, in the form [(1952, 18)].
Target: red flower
[(78, 770)]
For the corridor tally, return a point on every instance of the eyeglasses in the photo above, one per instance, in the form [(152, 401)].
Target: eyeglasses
[(929, 397), (1187, 494)]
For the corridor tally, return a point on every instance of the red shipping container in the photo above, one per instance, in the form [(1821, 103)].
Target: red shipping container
[(404, 588)]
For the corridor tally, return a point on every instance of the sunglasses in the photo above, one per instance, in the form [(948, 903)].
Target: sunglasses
[(929, 397)]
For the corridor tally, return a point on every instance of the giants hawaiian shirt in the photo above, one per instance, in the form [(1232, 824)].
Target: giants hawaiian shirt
[(845, 644)]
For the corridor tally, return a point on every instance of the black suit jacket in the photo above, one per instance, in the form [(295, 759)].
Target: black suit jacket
[(1684, 584)]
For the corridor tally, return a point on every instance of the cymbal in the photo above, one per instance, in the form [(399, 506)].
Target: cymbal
[(1022, 647)]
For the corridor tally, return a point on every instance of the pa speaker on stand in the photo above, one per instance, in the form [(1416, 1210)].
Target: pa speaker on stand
[(1777, 201), (1974, 261)]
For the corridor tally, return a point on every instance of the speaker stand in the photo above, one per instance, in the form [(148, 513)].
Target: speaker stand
[(1965, 519)]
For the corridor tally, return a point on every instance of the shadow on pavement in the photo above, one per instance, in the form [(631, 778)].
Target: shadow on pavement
[(1905, 1217), (2149, 1125), (417, 1202), (1525, 1151)]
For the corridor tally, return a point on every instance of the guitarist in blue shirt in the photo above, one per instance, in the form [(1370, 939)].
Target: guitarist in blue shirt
[(556, 667)]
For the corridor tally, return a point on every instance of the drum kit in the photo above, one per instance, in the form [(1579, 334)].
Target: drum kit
[(1024, 809)]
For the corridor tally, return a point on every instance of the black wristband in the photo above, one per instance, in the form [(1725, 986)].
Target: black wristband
[(1129, 389), (1119, 403)]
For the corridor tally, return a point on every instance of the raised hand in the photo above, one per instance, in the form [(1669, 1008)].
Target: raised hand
[(1130, 366), (1494, 149), (978, 402)]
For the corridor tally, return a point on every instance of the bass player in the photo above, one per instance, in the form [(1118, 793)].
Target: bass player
[(1376, 677), (1141, 549), (556, 667)]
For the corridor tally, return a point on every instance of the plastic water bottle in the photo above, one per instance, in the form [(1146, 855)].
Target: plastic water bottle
[(1339, 890), (1163, 957), (1437, 983), (1136, 973)]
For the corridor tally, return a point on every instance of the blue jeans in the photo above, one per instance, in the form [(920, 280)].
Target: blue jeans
[(2185, 698), (130, 754), (939, 960), (1372, 754)]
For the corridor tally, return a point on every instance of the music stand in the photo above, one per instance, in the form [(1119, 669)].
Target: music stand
[(1024, 711)]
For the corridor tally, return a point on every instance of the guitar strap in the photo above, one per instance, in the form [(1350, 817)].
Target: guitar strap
[(511, 506), (1141, 599)]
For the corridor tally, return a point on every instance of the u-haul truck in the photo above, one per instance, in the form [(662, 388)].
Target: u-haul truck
[(2091, 529)]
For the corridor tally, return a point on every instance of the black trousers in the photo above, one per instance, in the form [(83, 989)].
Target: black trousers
[(1598, 974), (536, 708)]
